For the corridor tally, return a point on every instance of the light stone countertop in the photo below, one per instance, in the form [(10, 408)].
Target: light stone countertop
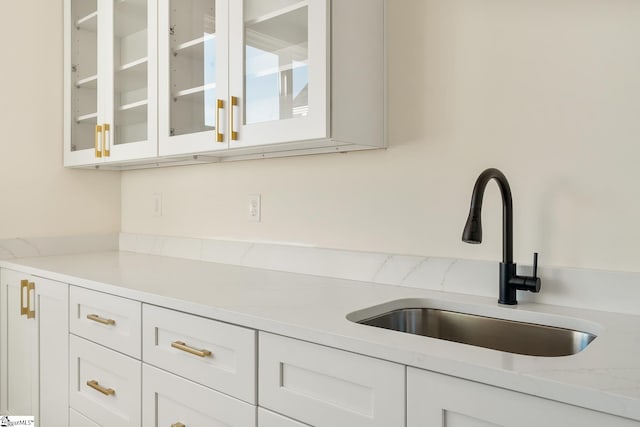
[(605, 376)]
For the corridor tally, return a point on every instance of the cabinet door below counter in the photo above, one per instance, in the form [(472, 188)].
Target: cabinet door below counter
[(34, 348), (439, 400)]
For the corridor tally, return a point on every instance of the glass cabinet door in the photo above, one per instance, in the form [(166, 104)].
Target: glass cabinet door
[(130, 111), (193, 74), (82, 56), (278, 50), (111, 80)]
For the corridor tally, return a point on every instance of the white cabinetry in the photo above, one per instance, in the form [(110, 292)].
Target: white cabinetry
[(104, 358), (216, 360), (214, 354), (278, 77), (110, 81), (185, 81), (322, 386), (33, 348), (436, 399), (169, 400), (105, 385)]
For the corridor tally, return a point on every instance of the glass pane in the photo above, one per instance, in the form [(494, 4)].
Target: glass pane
[(84, 73), (131, 78), (276, 53), (193, 66)]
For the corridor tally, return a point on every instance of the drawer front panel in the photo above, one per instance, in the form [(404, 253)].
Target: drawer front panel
[(211, 353), (114, 398), (169, 400), (270, 419), (78, 420), (106, 319), (328, 387)]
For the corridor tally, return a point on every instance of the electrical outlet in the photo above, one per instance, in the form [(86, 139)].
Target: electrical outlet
[(254, 208), (156, 204)]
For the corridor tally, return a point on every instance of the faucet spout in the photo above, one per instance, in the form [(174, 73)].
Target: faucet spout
[(472, 233), (473, 229)]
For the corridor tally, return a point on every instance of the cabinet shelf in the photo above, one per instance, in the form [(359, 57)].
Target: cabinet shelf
[(278, 31), (88, 22), (132, 76), (135, 112), (132, 17), (193, 90), (133, 105), (133, 65), (276, 13), (186, 47), (90, 82), (87, 118)]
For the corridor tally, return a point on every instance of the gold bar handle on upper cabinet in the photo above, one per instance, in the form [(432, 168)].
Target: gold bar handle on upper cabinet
[(184, 347), (24, 286), (101, 320), (178, 425), (219, 106), (106, 140), (96, 386), (98, 141), (234, 103), (31, 314)]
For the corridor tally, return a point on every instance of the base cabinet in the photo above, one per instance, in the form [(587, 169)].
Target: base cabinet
[(323, 386), (439, 400), (169, 400), (34, 348)]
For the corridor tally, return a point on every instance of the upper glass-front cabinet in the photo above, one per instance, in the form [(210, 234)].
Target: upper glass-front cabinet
[(278, 70), (110, 79), (192, 59), (238, 73), (150, 82)]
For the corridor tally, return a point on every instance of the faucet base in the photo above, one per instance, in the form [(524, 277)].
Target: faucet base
[(507, 290)]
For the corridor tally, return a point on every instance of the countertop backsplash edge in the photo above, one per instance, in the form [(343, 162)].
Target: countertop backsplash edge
[(611, 291)]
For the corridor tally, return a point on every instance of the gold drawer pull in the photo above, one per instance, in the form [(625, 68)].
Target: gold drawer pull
[(99, 319), (182, 346), (96, 386), (178, 425)]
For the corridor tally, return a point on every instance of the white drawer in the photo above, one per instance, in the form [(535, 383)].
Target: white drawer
[(78, 420), (323, 386), (118, 376), (231, 365), (168, 400), (106, 319), (270, 419)]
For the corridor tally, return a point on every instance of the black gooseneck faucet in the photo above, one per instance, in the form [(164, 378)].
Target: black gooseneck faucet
[(472, 233)]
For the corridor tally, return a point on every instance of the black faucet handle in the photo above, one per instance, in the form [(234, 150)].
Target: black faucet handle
[(535, 264)]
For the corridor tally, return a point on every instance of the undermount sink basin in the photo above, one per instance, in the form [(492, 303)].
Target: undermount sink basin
[(499, 334)]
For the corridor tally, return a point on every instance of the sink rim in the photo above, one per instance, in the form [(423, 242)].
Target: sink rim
[(511, 314)]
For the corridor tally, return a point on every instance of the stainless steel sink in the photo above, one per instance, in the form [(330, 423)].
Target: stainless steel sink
[(498, 334)]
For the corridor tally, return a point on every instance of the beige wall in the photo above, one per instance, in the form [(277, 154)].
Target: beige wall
[(546, 90), (38, 197)]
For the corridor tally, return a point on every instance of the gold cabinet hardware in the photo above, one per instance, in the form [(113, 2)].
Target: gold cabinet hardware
[(96, 386), (184, 347), (219, 106), (24, 285), (102, 320), (178, 425), (31, 314), (106, 140), (98, 141), (234, 103)]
